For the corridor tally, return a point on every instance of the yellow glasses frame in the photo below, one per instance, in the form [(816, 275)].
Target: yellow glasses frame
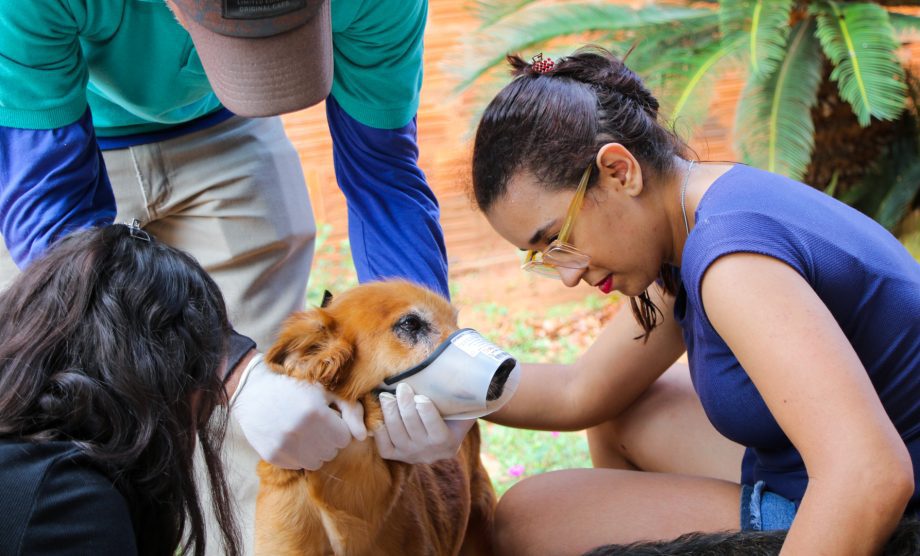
[(560, 253)]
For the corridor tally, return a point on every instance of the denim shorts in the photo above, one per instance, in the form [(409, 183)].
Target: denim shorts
[(763, 510)]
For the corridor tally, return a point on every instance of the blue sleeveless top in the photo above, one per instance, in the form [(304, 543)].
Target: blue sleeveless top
[(867, 279)]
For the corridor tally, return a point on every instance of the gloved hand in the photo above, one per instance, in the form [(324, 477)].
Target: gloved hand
[(289, 421), (414, 431)]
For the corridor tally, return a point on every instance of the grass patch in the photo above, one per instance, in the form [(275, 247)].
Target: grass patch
[(332, 268), (513, 454)]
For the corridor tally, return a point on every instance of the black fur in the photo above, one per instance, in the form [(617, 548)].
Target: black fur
[(905, 541)]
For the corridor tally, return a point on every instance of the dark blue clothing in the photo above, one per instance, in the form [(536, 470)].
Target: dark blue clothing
[(867, 279), (393, 216), (54, 181), (54, 502), (191, 126), (44, 197)]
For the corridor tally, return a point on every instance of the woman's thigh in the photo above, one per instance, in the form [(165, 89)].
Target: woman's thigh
[(666, 430), (572, 511)]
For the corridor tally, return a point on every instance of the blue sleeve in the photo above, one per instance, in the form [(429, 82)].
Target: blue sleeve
[(52, 182), (393, 216)]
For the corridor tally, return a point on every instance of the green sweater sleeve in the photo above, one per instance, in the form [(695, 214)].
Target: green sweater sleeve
[(378, 59), (43, 74)]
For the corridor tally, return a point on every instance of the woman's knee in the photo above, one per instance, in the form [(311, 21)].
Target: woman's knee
[(613, 443), (631, 439), (516, 518)]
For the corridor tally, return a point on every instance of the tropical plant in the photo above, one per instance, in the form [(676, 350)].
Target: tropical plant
[(826, 99)]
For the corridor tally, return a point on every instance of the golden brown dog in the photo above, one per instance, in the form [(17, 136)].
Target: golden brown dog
[(359, 503)]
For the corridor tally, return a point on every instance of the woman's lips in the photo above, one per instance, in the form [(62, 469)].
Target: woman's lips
[(606, 285)]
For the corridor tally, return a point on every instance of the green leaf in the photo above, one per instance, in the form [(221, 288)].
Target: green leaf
[(900, 198), (859, 40), (765, 27), (536, 24), (490, 11), (906, 27), (658, 45), (889, 185), (831, 188), (773, 121), (685, 81)]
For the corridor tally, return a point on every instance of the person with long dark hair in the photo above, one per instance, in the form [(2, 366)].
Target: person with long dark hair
[(800, 407), (112, 351)]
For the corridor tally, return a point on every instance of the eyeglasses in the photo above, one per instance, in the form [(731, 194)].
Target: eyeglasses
[(559, 253)]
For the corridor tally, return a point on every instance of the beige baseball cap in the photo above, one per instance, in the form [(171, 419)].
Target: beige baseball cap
[(263, 57)]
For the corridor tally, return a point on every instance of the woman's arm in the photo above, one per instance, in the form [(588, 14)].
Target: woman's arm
[(604, 381), (860, 476)]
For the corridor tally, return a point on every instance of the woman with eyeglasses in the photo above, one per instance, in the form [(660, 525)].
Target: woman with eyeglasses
[(800, 407), (112, 351)]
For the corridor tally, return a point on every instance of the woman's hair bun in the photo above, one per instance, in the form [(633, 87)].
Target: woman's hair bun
[(595, 67)]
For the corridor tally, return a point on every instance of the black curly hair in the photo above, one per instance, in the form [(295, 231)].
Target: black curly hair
[(103, 342)]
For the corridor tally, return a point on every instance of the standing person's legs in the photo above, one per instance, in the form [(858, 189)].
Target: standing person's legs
[(234, 197), (666, 430)]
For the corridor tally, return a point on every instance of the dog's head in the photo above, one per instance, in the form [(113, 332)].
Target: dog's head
[(358, 339)]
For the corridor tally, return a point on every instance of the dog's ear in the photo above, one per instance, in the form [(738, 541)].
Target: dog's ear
[(310, 348), (327, 299)]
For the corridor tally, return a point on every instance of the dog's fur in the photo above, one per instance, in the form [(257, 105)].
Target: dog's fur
[(905, 541), (359, 503)]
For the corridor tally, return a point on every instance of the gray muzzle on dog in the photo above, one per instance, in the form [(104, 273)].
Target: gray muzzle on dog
[(466, 376)]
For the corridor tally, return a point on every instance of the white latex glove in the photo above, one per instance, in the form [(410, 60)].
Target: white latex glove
[(413, 430), (289, 422)]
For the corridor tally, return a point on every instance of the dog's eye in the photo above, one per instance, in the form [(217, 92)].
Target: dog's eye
[(411, 327), (411, 323)]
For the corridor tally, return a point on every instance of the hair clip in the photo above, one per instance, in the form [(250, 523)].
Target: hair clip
[(134, 228), (540, 64)]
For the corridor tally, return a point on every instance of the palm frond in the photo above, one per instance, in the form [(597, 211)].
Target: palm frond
[(859, 40), (891, 185), (906, 27), (684, 83), (536, 24), (490, 11), (773, 121), (656, 44), (900, 197), (764, 24)]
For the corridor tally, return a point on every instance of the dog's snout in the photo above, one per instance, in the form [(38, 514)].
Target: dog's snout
[(497, 385)]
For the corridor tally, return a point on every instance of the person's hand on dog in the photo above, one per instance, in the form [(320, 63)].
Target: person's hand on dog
[(290, 423), (414, 431)]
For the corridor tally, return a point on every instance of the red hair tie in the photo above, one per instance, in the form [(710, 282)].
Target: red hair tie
[(540, 64)]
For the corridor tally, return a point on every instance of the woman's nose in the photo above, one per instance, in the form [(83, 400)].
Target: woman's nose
[(570, 276)]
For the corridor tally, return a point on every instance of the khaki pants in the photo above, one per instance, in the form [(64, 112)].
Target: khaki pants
[(234, 197)]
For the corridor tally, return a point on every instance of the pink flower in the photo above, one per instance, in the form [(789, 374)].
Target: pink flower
[(516, 470), (555, 434)]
